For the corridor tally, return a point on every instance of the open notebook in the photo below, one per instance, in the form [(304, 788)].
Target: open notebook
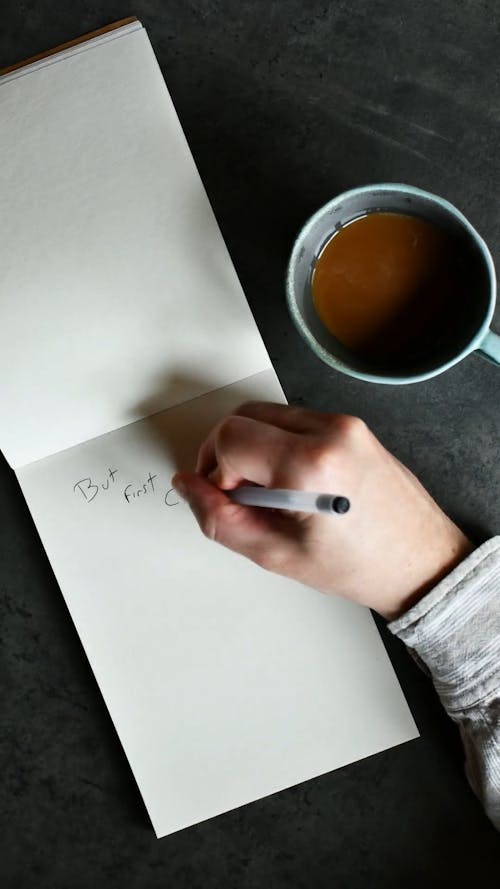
[(124, 335)]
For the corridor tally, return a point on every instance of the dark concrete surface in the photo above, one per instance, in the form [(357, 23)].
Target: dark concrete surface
[(284, 105)]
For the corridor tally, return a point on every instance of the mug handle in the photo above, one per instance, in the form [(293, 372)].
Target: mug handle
[(490, 348)]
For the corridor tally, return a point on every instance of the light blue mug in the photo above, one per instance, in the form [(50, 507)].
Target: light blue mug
[(472, 335)]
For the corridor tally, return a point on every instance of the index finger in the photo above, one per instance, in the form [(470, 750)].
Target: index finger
[(284, 416), (242, 449), (280, 416)]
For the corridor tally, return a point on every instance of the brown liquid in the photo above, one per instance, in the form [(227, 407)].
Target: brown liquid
[(390, 287)]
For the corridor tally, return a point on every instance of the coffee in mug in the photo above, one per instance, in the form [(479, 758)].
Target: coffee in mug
[(392, 284)]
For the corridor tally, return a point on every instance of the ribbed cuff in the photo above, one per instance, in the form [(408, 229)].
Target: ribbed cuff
[(455, 629)]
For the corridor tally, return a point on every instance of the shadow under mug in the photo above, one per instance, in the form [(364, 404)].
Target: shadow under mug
[(472, 332)]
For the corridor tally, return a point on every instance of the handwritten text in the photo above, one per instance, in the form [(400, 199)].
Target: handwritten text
[(88, 488)]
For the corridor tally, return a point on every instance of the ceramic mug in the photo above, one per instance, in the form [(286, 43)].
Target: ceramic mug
[(473, 335)]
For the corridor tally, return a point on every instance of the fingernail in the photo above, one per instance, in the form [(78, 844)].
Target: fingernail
[(179, 486)]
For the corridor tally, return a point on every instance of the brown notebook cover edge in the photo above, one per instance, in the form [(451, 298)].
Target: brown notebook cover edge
[(62, 46)]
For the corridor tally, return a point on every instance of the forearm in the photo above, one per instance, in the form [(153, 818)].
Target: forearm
[(455, 632)]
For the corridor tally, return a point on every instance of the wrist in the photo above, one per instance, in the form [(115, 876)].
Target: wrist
[(440, 561)]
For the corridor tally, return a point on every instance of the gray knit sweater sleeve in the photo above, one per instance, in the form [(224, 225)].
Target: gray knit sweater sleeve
[(454, 631)]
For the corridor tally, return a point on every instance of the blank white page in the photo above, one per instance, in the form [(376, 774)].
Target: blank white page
[(225, 683), (117, 295)]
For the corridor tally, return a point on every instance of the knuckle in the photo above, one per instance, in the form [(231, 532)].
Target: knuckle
[(290, 460), (347, 425), (297, 413), (320, 454), (211, 522), (227, 431), (215, 523), (208, 525), (354, 425), (247, 406)]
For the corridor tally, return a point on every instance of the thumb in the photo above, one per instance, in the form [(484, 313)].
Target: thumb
[(212, 508), (256, 533)]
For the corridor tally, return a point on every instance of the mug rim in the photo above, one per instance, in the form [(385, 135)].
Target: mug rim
[(337, 363)]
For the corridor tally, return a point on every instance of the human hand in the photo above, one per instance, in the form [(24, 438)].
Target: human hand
[(393, 545)]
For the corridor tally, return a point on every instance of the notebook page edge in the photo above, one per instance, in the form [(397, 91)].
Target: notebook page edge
[(93, 38), (19, 468)]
